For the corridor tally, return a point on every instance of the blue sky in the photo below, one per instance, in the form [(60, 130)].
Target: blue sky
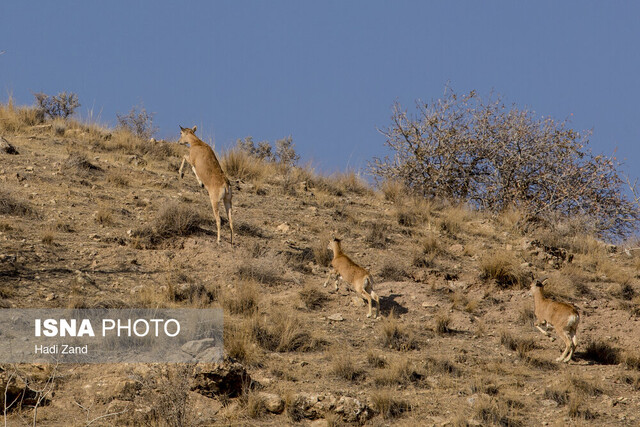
[(327, 72)]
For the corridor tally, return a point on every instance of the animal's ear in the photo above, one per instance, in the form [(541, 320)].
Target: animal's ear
[(181, 129), (194, 129), (544, 281)]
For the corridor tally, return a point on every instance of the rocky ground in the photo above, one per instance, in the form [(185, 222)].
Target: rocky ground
[(88, 219)]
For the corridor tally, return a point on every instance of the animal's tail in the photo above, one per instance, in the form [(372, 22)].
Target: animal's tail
[(368, 284), (375, 297), (572, 324)]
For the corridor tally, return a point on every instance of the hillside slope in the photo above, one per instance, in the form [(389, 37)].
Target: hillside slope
[(89, 220)]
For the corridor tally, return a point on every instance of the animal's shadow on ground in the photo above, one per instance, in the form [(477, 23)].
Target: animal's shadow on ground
[(388, 304)]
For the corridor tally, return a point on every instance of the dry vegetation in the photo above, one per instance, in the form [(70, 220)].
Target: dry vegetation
[(97, 218)]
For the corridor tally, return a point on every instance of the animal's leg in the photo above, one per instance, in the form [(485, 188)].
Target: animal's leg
[(572, 347), (216, 211), (227, 207), (542, 330), (366, 296), (368, 288), (377, 300), (567, 346), (326, 282), (181, 171), (193, 168)]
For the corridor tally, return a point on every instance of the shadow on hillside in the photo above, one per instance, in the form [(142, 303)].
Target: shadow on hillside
[(388, 304)]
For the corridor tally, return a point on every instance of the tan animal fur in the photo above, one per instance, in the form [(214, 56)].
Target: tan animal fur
[(344, 268), (563, 317), (208, 172)]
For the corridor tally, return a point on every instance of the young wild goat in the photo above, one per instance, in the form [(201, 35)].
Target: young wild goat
[(349, 271), (208, 172), (563, 317)]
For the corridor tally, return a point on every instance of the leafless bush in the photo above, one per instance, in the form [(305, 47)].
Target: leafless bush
[(9, 205), (261, 151), (285, 152), (138, 121), (465, 148), (61, 105)]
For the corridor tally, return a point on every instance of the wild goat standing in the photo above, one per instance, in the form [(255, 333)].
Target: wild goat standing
[(208, 172), (563, 317), (349, 271)]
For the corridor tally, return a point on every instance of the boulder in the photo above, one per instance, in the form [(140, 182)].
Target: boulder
[(220, 379)]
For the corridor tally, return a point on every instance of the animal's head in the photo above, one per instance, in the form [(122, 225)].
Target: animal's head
[(334, 245), (186, 134), (538, 284)]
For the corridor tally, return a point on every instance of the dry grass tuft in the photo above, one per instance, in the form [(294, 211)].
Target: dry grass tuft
[(438, 366), (321, 254), (394, 191), (9, 205), (504, 268), (495, 411), (118, 180), (80, 164), (385, 403), (453, 219), (578, 408), (18, 119), (632, 361), (519, 344), (245, 300), (249, 230), (601, 353), (48, 238), (262, 273), (312, 297), (240, 342), (104, 217), (377, 235), (285, 332), (238, 164), (343, 367), (349, 182), (430, 244), (174, 220), (394, 336), (442, 323), (527, 316), (392, 272), (398, 372)]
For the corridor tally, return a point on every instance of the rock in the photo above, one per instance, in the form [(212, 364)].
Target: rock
[(352, 410), (127, 389), (283, 228), (204, 407), (6, 147), (336, 317), (220, 379), (211, 355), (456, 249), (195, 347), (51, 297), (357, 301), (272, 402), (420, 276)]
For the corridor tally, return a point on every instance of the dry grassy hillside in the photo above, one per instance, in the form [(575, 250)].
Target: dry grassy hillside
[(93, 218)]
